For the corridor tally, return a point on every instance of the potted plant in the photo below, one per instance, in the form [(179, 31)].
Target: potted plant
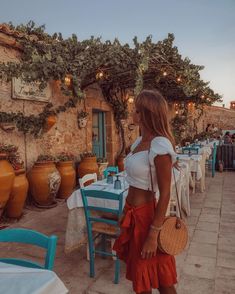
[(65, 166), (20, 187), (88, 164), (82, 118), (44, 181), (7, 176)]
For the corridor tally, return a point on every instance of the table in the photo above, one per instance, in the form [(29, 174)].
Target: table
[(16, 279)]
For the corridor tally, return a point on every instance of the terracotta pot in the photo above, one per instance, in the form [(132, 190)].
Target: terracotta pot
[(68, 178), (88, 165), (120, 163), (50, 121), (7, 176), (18, 194), (44, 182)]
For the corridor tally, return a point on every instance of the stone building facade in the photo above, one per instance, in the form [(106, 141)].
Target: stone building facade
[(65, 135)]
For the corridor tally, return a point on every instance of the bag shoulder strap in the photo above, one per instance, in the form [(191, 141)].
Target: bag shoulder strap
[(151, 179)]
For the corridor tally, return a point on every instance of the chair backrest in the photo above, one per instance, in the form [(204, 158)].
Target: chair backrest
[(102, 195), (192, 150), (32, 237), (110, 169), (87, 178)]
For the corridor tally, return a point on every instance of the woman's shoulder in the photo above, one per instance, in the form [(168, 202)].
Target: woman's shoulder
[(161, 141)]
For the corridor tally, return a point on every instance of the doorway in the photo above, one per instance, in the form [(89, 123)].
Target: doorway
[(98, 133)]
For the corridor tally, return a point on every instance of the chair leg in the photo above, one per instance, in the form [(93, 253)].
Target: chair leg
[(117, 271), (103, 244), (113, 252)]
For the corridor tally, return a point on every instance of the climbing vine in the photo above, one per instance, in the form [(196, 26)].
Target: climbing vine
[(115, 67)]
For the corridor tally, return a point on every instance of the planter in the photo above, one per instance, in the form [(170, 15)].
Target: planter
[(18, 194), (88, 165), (120, 163), (68, 178), (50, 121), (44, 181), (7, 176)]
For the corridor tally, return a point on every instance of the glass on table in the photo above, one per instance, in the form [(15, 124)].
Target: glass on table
[(117, 184), (110, 179)]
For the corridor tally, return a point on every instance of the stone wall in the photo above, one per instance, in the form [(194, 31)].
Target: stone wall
[(222, 118), (65, 134)]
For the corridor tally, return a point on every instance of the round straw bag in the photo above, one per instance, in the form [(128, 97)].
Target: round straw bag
[(173, 236)]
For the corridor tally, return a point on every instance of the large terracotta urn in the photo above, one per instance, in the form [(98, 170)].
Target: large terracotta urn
[(68, 178), (7, 176), (44, 182), (88, 165), (18, 194)]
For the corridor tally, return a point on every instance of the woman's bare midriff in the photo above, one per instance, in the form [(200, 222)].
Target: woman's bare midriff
[(138, 196)]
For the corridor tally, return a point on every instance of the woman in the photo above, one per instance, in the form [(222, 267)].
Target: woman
[(143, 218)]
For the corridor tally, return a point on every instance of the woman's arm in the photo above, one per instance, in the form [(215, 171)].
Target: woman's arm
[(163, 165)]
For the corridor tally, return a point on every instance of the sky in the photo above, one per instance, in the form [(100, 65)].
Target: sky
[(204, 29)]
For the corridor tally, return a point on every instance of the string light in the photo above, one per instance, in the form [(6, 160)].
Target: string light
[(67, 81), (178, 79), (165, 73), (195, 90), (176, 112), (131, 99), (99, 75), (203, 96)]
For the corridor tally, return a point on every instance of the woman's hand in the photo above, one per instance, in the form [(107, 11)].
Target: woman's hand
[(150, 245)]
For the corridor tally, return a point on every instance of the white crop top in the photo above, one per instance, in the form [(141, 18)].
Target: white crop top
[(137, 165)]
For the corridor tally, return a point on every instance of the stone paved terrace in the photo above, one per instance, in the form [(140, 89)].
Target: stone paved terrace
[(206, 267)]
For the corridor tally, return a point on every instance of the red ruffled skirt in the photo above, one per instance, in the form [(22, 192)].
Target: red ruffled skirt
[(145, 274)]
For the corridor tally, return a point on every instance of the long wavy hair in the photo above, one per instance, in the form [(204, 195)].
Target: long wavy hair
[(153, 111)]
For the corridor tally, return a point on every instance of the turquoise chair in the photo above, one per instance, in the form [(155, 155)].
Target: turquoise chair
[(110, 169), (211, 162), (190, 150), (34, 238), (99, 226)]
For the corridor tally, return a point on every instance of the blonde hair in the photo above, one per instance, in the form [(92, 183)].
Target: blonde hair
[(153, 111)]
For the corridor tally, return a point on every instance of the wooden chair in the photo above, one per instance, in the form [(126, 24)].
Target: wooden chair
[(110, 169), (98, 226), (34, 238), (87, 178)]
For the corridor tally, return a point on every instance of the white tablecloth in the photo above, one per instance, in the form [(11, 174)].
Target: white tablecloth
[(194, 162), (22, 280)]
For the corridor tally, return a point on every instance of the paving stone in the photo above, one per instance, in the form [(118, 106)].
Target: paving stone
[(189, 284), (209, 218), (203, 249), (211, 210), (226, 259), (225, 285), (192, 220), (214, 204), (224, 272), (195, 211), (208, 227), (205, 237)]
